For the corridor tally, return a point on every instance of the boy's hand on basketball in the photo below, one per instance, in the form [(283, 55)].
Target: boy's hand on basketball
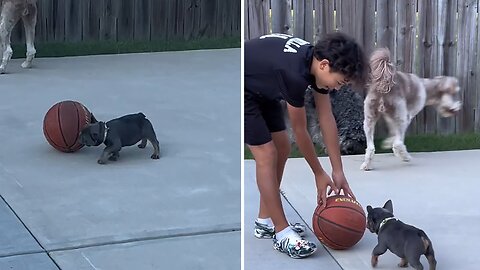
[(341, 184), (323, 183)]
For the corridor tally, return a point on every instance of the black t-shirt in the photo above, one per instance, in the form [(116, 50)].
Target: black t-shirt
[(278, 66)]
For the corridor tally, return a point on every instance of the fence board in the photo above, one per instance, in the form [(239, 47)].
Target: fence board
[(369, 28), (477, 89), (303, 19), (320, 20), (386, 25), (159, 19), (470, 93), (346, 16), (142, 20), (207, 10), (431, 65), (281, 16), (445, 22), (73, 21), (257, 19), (59, 20), (359, 15)]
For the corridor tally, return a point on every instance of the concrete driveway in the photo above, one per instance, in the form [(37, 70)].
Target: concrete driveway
[(64, 211), (437, 192)]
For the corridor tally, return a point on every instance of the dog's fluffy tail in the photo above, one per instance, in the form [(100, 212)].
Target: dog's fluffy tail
[(382, 71)]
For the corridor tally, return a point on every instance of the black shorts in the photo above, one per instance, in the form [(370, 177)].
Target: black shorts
[(262, 117)]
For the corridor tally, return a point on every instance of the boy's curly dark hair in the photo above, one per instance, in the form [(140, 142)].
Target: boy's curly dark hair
[(345, 56)]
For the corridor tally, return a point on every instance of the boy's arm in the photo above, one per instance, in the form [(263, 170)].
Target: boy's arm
[(298, 120), (329, 130)]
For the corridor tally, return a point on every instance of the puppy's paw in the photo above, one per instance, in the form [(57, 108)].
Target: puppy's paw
[(374, 261), (101, 161), (141, 146), (2, 70), (113, 158), (155, 156), (366, 166)]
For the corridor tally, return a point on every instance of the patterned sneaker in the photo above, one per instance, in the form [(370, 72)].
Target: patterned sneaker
[(298, 228), (296, 249), (263, 231)]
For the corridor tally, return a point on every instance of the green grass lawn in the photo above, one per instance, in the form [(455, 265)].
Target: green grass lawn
[(109, 47), (418, 143)]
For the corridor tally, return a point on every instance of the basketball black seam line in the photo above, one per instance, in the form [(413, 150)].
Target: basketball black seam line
[(338, 206), (78, 127), (341, 226), (60, 125), (49, 137), (51, 140), (330, 240)]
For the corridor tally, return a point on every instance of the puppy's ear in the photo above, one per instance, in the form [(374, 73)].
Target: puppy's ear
[(389, 206), (369, 209)]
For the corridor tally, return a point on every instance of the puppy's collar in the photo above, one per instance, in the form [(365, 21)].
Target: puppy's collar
[(105, 131), (385, 222)]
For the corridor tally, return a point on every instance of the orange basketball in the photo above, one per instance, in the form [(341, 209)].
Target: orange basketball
[(62, 125), (341, 224)]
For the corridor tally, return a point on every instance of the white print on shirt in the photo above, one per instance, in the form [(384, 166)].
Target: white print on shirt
[(282, 36), (291, 43)]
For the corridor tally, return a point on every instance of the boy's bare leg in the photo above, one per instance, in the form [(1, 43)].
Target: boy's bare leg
[(266, 159), (282, 144)]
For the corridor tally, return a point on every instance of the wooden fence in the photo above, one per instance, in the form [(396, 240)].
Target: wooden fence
[(426, 37), (127, 20)]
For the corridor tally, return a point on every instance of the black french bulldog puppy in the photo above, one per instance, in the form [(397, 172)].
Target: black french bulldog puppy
[(124, 131), (405, 241)]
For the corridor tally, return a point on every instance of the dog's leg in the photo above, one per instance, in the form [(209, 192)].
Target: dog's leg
[(29, 22), (149, 134), (377, 251), (432, 262), (108, 152), (416, 264), (430, 254), (143, 143), (403, 263), (399, 148), (114, 156), (156, 148), (399, 122), (369, 129), (8, 19)]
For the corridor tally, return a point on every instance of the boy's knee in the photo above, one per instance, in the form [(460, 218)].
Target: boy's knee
[(265, 155)]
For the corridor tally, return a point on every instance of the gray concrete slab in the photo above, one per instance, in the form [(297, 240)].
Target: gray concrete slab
[(14, 238), (436, 192), (212, 251), (259, 253), (38, 261), (68, 200)]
